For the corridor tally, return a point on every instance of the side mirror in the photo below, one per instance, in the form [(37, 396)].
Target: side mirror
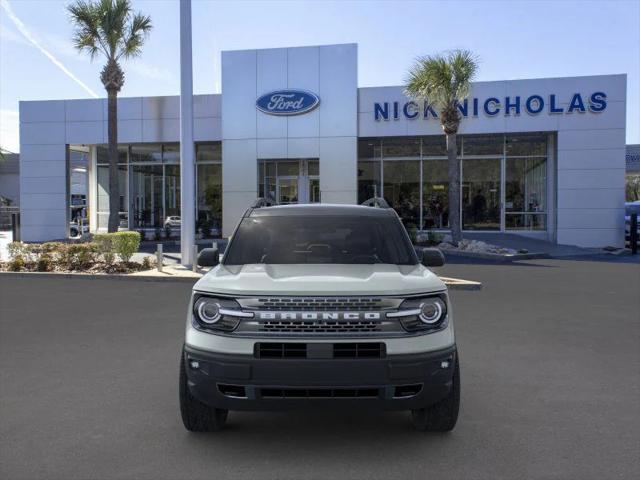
[(208, 257), (430, 257)]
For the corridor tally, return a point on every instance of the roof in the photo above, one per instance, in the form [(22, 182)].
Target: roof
[(321, 209)]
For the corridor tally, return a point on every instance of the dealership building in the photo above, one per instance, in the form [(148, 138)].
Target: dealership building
[(543, 157)]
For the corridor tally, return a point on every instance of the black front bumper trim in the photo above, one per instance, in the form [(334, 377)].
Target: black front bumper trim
[(284, 384)]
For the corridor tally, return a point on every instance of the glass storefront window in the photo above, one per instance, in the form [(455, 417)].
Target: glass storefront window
[(209, 189), (368, 181), (481, 194), (172, 191), (209, 199), (102, 154), (434, 146), (525, 193), (146, 190), (209, 152), (482, 145), (435, 194), (402, 189), (401, 147), (146, 152), (102, 190), (526, 144), (171, 153)]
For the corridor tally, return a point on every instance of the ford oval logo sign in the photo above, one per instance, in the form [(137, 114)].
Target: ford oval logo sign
[(287, 102)]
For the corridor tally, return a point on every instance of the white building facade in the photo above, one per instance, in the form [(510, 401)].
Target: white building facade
[(542, 157)]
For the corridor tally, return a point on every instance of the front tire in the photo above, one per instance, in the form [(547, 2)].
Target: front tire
[(441, 416), (196, 416)]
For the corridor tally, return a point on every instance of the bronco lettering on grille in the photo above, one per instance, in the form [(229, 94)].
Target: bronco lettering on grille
[(318, 315)]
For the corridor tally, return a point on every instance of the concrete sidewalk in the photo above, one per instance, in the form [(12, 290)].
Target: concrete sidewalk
[(532, 245)]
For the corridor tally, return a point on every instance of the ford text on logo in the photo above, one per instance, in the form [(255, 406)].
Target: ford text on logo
[(318, 316), (287, 102), (492, 106)]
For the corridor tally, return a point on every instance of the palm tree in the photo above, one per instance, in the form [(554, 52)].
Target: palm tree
[(112, 29), (444, 81)]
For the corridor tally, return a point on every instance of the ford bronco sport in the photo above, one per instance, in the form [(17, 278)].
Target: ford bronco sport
[(315, 306)]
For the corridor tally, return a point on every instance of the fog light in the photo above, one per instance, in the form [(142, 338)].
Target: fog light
[(194, 364), (444, 364)]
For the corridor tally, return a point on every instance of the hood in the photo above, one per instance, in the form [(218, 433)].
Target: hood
[(312, 279)]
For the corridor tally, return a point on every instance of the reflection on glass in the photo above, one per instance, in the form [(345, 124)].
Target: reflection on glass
[(209, 198), (313, 167), (314, 190), (368, 180), (402, 189), (481, 194), (146, 191), (401, 147), (146, 152), (288, 190), (525, 193), (209, 152), (172, 190), (483, 145), (435, 194), (171, 153), (103, 196), (526, 144), (102, 153)]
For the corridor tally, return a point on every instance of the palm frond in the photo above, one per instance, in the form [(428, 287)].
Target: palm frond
[(109, 27), (442, 80)]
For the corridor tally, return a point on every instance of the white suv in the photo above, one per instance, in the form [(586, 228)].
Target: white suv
[(315, 306)]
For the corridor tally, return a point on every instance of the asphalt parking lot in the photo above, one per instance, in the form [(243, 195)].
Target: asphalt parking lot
[(550, 353)]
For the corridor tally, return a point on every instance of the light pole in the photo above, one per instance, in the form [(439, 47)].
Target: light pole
[(187, 147)]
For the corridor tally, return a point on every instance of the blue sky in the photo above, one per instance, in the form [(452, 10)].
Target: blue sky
[(513, 40)]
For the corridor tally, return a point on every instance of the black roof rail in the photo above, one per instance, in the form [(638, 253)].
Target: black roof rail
[(377, 202)]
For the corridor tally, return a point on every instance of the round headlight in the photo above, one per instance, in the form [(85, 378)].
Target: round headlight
[(208, 311), (431, 311)]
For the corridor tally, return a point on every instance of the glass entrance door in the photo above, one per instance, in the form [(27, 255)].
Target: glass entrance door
[(481, 194), (289, 181), (287, 188)]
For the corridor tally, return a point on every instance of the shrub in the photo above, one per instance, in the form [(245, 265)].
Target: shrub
[(146, 263), (143, 234), (16, 263), (126, 244), (44, 263), (17, 249), (78, 256), (105, 244)]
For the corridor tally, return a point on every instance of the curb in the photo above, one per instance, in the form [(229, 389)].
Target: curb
[(496, 257), (99, 276), (452, 283)]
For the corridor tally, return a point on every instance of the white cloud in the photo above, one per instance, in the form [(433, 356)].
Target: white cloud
[(9, 130), (22, 28)]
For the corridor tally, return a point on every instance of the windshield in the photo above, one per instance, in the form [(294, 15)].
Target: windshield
[(320, 239)]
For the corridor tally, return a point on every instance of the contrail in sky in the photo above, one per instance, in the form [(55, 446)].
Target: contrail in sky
[(27, 34)]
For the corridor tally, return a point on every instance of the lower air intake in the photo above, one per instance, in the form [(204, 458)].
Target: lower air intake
[(319, 392)]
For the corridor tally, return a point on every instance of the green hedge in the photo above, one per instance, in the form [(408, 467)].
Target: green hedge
[(126, 244)]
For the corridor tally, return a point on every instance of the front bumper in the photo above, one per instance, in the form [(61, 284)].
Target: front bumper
[(243, 382)]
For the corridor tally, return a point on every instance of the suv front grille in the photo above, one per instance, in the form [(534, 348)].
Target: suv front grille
[(318, 304), (319, 326)]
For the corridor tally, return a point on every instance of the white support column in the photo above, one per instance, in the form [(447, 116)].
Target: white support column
[(187, 147)]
